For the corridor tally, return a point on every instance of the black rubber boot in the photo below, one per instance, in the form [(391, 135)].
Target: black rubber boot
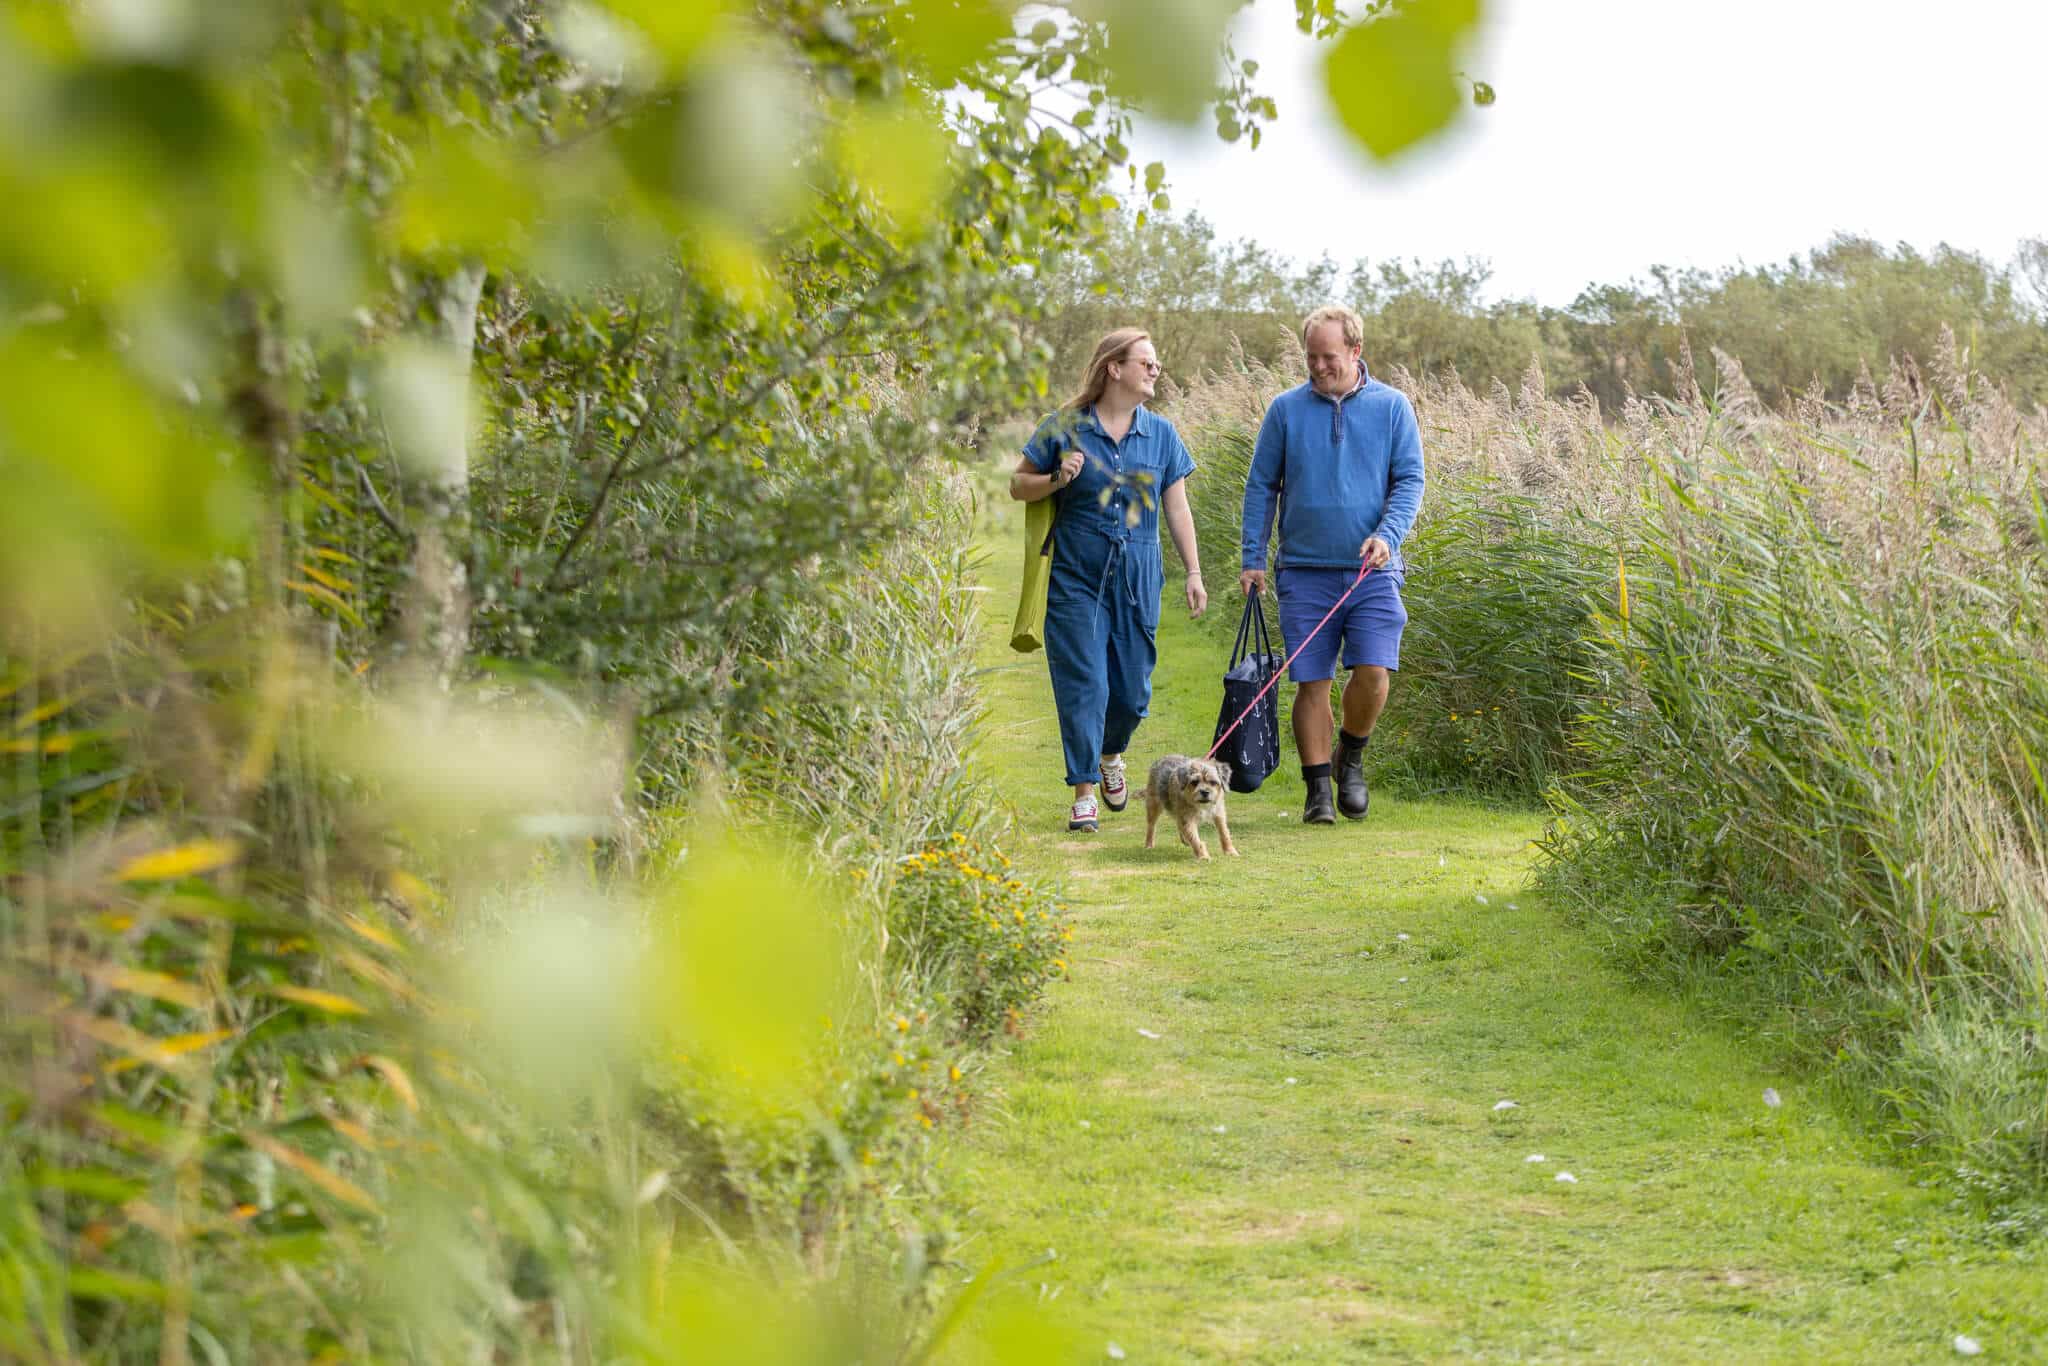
[(1353, 797), (1320, 810)]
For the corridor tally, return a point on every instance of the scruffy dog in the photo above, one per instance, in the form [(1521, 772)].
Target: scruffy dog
[(1190, 789)]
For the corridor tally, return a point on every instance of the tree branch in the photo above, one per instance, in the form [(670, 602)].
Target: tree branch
[(591, 518), (384, 514), (789, 366)]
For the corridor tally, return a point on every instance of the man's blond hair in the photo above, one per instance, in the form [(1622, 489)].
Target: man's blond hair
[(1353, 325)]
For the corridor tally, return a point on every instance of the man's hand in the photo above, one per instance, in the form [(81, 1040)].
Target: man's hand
[(1198, 595), (1251, 581), (1376, 553), (1070, 468)]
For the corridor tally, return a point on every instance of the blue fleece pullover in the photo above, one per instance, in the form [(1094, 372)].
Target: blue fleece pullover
[(1339, 469)]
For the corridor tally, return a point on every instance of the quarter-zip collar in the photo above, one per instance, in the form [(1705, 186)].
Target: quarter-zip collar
[(1337, 404)]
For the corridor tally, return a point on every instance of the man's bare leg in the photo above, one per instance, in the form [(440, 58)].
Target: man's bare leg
[(1313, 731), (1365, 697)]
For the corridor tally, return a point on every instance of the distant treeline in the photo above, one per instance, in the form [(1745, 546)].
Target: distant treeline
[(1821, 318)]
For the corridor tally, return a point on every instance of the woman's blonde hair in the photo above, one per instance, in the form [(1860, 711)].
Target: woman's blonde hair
[(1111, 350)]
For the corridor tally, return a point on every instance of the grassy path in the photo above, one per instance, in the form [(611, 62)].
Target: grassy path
[(1309, 1162)]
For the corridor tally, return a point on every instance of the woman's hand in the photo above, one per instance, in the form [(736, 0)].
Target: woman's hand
[(1028, 483), (1198, 596)]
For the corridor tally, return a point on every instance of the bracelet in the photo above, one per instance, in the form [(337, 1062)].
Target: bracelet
[(1194, 573)]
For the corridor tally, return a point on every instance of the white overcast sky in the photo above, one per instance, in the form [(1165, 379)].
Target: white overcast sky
[(1630, 133)]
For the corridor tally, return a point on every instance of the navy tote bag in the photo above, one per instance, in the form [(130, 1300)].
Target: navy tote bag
[(1253, 749)]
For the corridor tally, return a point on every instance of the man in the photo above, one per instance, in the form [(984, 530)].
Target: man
[(1341, 459)]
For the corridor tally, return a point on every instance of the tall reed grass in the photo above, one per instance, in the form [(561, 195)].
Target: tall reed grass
[(1816, 732)]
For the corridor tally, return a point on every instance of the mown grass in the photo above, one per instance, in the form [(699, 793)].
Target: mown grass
[(1199, 1205)]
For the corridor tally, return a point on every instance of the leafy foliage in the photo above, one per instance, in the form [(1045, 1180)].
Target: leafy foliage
[(981, 934), (1393, 79), (475, 470)]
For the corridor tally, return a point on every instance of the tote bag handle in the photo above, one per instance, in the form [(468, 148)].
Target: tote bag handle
[(1254, 619)]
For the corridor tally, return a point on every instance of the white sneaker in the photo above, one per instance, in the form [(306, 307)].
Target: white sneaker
[(1115, 795), (1083, 817)]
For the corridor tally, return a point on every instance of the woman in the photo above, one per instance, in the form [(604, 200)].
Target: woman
[(1113, 465)]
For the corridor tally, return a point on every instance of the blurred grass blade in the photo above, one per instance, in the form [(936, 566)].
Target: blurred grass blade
[(321, 1175), (183, 861), (394, 1076), (333, 1003), (141, 982)]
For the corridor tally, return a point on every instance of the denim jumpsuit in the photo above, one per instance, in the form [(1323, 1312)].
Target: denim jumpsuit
[(1102, 603)]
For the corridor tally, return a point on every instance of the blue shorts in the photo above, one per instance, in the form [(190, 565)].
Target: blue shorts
[(1368, 623)]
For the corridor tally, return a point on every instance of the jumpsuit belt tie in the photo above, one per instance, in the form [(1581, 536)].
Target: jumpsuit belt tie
[(1117, 564)]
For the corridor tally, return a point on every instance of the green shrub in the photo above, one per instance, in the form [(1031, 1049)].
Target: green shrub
[(865, 733), (983, 938), (1961, 1090), (469, 1075)]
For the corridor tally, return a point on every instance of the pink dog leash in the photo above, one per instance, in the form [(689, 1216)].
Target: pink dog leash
[(1363, 570)]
